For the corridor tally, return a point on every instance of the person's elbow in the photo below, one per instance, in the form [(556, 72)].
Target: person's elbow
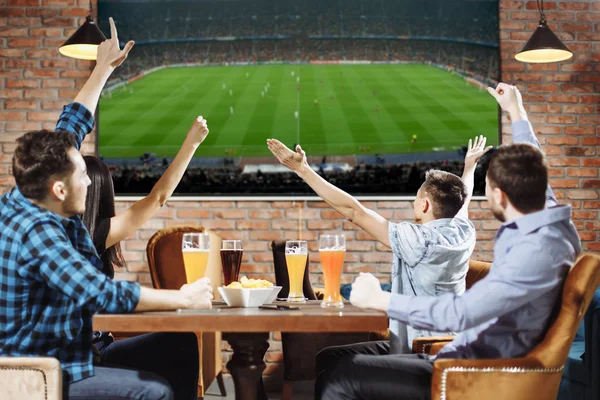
[(157, 198)]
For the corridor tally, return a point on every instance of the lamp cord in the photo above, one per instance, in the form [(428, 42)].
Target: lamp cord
[(540, 9)]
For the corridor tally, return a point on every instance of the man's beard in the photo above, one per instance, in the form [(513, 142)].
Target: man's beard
[(497, 212)]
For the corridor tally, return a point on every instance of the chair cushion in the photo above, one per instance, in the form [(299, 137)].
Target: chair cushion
[(575, 368), (30, 378), (345, 289)]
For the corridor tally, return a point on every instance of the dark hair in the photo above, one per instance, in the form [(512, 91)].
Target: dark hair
[(100, 205), (41, 156), (521, 172), (446, 191)]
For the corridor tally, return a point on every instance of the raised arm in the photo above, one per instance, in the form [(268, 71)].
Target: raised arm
[(510, 100), (342, 202), (125, 224), (475, 151), (78, 117), (110, 56)]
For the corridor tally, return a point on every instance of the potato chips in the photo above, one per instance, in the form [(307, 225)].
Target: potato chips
[(250, 283)]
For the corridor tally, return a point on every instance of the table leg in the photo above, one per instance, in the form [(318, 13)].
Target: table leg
[(247, 364)]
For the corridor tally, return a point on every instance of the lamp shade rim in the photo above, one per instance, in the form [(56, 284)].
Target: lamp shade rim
[(79, 51)]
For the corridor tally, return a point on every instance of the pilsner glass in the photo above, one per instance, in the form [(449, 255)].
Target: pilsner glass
[(195, 248), (231, 259), (332, 249), (296, 253)]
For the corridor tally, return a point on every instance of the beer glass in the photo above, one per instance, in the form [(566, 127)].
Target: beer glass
[(296, 253), (231, 259), (332, 249), (195, 248)]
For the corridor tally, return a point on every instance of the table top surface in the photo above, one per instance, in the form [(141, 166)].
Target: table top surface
[(310, 317)]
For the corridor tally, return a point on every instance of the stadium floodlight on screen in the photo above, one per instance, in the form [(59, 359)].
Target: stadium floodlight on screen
[(376, 92)]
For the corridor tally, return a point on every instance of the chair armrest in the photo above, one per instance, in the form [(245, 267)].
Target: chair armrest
[(28, 377), (379, 335), (425, 344), (514, 378)]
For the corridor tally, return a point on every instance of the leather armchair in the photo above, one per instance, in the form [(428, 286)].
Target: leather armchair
[(536, 375), (165, 261), (32, 378)]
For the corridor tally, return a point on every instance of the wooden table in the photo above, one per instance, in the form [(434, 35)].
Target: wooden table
[(247, 331)]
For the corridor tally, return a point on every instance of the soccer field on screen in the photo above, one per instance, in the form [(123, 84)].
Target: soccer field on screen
[(328, 109)]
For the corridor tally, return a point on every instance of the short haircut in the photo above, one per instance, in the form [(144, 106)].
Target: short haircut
[(521, 172), (41, 156), (446, 191)]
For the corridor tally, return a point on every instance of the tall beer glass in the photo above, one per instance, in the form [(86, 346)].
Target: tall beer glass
[(231, 259), (195, 248), (332, 249), (296, 253)]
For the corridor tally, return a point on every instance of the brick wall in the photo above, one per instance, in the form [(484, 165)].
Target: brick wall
[(563, 101)]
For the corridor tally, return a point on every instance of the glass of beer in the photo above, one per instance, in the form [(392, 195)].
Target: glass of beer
[(195, 248), (231, 259), (332, 249), (296, 253)]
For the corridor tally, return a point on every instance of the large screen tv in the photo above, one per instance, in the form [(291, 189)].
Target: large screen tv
[(376, 91)]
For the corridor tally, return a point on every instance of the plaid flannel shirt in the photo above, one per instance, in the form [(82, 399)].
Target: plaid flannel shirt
[(51, 282)]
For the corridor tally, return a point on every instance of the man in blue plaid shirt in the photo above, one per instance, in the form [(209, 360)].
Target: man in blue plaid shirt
[(51, 282)]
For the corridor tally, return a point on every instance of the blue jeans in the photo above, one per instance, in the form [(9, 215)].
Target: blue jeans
[(154, 366)]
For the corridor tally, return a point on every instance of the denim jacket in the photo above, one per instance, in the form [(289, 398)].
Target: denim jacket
[(429, 259)]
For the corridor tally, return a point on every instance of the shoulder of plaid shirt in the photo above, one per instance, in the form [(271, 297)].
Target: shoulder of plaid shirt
[(50, 278)]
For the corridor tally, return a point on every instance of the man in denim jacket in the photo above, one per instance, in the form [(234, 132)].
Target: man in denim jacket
[(431, 255)]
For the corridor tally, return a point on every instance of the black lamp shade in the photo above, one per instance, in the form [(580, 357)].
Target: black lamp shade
[(543, 47), (83, 44)]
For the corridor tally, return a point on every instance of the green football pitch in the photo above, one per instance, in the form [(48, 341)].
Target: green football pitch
[(328, 109)]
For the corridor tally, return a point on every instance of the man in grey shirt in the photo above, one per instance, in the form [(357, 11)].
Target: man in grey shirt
[(502, 316), (431, 256)]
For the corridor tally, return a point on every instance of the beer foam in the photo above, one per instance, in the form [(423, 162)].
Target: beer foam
[(295, 250), (334, 248), (188, 245), (194, 250), (191, 246)]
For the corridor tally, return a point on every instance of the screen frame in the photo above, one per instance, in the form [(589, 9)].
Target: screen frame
[(266, 197)]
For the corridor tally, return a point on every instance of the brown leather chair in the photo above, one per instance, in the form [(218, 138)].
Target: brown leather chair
[(477, 271), (32, 378), (165, 261), (534, 376), (300, 349)]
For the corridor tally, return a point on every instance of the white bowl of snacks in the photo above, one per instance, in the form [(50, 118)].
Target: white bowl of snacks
[(249, 292)]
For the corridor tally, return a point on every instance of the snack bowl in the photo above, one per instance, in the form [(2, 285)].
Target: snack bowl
[(248, 297), (274, 293)]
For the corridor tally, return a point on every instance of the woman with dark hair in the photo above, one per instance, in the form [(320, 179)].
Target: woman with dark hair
[(108, 229)]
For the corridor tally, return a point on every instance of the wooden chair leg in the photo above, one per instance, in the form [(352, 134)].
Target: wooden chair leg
[(221, 384), (287, 391)]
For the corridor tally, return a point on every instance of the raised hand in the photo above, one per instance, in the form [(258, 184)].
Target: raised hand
[(198, 131), (475, 151), (509, 99), (109, 51), (295, 161), (198, 293)]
